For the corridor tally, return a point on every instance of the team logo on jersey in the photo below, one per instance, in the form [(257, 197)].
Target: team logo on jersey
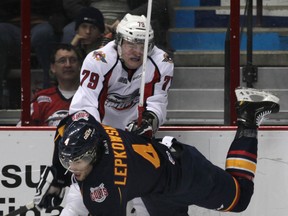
[(120, 102), (98, 194), (125, 79), (42, 99), (137, 77), (167, 58), (99, 56), (80, 115)]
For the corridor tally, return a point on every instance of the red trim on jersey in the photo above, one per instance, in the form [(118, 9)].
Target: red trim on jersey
[(103, 95), (149, 87), (236, 198)]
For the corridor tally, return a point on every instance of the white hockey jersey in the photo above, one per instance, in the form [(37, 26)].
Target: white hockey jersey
[(108, 94)]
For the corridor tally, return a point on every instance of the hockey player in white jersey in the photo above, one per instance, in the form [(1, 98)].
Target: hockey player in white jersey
[(109, 88), (111, 77)]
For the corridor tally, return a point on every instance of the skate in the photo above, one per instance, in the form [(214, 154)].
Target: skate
[(253, 105)]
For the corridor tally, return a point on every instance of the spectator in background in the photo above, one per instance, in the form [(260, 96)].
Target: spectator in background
[(113, 11), (50, 105), (72, 9), (47, 22), (89, 28), (159, 16)]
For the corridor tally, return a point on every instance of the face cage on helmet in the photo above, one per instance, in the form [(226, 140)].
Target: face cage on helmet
[(120, 37), (89, 157)]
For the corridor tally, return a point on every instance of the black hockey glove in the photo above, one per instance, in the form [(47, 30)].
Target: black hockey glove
[(148, 126), (49, 192)]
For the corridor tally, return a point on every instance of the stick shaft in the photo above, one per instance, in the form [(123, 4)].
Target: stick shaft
[(145, 54)]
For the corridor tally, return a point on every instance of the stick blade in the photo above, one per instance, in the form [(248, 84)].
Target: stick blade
[(22, 209)]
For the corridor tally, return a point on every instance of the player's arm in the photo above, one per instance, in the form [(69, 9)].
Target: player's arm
[(51, 187), (157, 101), (88, 95), (50, 190)]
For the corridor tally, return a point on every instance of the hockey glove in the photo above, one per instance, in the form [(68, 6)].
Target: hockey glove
[(148, 126), (47, 193)]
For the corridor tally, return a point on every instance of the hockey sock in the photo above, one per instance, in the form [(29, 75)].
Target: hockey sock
[(242, 157)]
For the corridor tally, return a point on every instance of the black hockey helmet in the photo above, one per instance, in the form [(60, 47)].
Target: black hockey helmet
[(79, 141)]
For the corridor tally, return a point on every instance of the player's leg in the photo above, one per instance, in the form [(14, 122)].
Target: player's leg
[(209, 186), (161, 205), (74, 205), (252, 106)]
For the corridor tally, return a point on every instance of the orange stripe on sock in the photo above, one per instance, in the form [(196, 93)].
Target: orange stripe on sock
[(236, 198), (242, 164)]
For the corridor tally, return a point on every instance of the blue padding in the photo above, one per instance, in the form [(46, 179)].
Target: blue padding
[(189, 2), (207, 18), (274, 21), (185, 19), (200, 2), (215, 41), (265, 41), (210, 2), (197, 41)]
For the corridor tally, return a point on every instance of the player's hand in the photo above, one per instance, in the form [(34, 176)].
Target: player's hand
[(48, 195), (144, 129), (148, 126), (79, 39)]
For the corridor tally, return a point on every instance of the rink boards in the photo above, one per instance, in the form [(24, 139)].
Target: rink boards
[(25, 151)]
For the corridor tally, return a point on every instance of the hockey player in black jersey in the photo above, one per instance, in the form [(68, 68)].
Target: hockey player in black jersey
[(113, 166)]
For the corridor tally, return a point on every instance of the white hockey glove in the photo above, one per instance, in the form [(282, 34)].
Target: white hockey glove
[(48, 195), (148, 126)]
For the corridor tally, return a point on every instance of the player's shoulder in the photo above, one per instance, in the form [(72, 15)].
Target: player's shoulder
[(105, 56), (162, 61), (45, 95), (46, 92), (161, 57)]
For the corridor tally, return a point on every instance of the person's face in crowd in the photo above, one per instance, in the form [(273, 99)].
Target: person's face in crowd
[(89, 33), (132, 54), (66, 66)]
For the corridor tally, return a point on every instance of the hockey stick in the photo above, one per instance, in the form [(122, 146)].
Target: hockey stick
[(22, 209), (142, 86)]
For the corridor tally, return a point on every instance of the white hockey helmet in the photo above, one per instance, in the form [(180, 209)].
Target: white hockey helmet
[(132, 28)]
